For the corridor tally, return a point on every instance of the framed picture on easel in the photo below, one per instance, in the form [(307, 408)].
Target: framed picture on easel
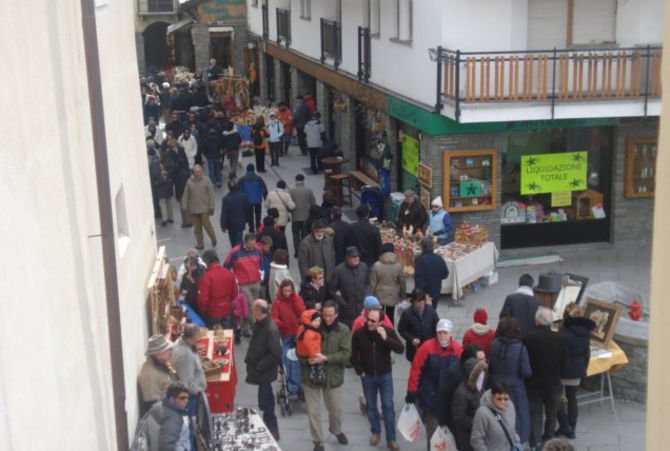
[(606, 316)]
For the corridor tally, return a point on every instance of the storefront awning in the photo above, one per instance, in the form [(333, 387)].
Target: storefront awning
[(179, 25)]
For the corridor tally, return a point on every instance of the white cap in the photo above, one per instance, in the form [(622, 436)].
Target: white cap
[(437, 201), (445, 325)]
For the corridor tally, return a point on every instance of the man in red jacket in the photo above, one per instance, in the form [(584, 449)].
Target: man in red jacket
[(245, 262), (216, 290)]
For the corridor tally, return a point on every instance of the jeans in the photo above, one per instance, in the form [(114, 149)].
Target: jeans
[(214, 165), (260, 159), (235, 237), (313, 164), (298, 235), (384, 385), (285, 143), (275, 151), (266, 402), (302, 140), (233, 158)]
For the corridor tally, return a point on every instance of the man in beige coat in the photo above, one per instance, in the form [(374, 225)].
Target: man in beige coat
[(198, 201), (156, 374)]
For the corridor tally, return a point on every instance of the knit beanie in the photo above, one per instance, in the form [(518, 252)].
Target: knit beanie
[(481, 316)]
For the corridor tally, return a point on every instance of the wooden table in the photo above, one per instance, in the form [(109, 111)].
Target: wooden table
[(220, 389), (331, 166)]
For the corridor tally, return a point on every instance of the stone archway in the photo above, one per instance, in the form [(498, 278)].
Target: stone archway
[(156, 51)]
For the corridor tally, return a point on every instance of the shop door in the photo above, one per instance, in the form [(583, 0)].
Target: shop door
[(221, 49), (286, 76)]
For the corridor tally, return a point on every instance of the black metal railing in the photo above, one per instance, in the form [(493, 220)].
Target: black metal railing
[(284, 26), (266, 22), (548, 76), (364, 57), (331, 41), (147, 7)]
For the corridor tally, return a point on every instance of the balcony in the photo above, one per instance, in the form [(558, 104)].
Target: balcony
[(551, 84), (331, 41), (283, 26), (364, 56), (156, 7)]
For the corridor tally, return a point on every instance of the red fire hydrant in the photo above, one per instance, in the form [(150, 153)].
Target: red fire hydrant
[(635, 312)]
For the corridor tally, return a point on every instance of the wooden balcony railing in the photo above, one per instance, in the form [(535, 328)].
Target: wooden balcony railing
[(284, 26), (551, 76), (156, 7)]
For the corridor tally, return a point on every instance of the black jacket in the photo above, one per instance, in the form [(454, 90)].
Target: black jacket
[(449, 382), (231, 140), (413, 326), (340, 228), (523, 308), (210, 138), (466, 402), (429, 271), (311, 295), (577, 333), (235, 210), (354, 284), (367, 239), (547, 354), (264, 353), (278, 238), (372, 355)]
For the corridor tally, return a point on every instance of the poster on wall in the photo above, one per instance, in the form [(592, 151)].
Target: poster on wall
[(553, 172), (425, 175), (424, 195), (410, 154)]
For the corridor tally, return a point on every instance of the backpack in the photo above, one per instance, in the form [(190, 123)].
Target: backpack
[(258, 136), (146, 432)]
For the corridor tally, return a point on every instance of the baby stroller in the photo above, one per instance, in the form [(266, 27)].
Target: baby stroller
[(289, 376), (372, 197)]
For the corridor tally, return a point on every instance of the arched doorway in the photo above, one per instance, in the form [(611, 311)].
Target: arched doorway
[(155, 45)]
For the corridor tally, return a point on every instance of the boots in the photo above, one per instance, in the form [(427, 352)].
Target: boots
[(564, 427)]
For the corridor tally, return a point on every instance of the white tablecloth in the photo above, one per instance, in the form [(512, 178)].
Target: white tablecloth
[(466, 270)]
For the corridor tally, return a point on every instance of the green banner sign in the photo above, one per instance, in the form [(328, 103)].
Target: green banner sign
[(552, 172), (410, 154), (471, 188)]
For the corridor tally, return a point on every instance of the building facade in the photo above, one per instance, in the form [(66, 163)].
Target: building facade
[(535, 118)]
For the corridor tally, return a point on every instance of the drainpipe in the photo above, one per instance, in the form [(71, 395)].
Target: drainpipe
[(106, 219)]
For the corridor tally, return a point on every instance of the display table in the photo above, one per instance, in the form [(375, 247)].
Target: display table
[(604, 366), (220, 388), (241, 430)]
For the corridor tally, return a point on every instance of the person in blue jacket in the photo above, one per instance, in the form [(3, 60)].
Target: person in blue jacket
[(254, 188), (439, 221), (235, 211), (429, 271)]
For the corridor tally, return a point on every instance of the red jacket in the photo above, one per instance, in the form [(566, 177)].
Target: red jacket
[(246, 265), (429, 362), (286, 313), (479, 334), (311, 104), (216, 290)]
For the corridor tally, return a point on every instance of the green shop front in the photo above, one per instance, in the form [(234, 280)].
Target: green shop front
[(533, 183)]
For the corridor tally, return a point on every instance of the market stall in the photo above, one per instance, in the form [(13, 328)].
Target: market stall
[(240, 430), (217, 353)]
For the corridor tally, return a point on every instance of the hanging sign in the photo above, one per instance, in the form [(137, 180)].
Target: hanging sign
[(561, 199), (553, 172)]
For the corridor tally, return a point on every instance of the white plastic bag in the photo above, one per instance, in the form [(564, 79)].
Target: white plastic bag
[(443, 440), (409, 423)]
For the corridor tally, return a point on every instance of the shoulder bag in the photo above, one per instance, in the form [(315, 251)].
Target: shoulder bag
[(513, 446)]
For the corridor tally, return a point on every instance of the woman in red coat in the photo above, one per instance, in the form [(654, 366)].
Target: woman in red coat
[(287, 308), (480, 333)]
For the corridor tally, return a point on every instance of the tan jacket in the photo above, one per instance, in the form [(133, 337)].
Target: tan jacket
[(154, 380), (198, 197), (282, 201)]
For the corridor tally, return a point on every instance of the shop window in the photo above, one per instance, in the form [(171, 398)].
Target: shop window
[(593, 22), (640, 167), (306, 9), (556, 187), (470, 180)]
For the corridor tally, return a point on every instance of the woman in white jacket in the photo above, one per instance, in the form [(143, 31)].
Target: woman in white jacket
[(280, 199)]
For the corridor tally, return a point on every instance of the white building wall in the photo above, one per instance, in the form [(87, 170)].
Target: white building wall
[(639, 22), (55, 374)]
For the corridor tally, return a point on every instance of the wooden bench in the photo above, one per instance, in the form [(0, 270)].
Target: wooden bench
[(359, 179)]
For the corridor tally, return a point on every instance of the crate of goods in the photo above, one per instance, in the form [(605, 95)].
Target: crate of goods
[(474, 235), (388, 234)]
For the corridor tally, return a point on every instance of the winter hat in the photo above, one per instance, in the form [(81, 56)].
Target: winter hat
[(371, 303), (251, 167), (388, 247), (444, 325), (273, 212), (352, 251), (315, 315), (437, 202), (281, 184), (300, 178), (481, 316), (157, 344)]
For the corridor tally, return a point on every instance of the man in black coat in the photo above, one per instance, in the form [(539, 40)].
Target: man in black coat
[(340, 228), (278, 238), (429, 271), (547, 352), (235, 210), (349, 285), (417, 324), (522, 305), (449, 382), (262, 360), (365, 237)]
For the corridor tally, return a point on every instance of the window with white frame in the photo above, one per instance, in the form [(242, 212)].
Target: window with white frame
[(371, 14), (403, 22), (306, 9)]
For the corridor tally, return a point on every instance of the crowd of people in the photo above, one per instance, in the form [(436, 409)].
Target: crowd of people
[(349, 309)]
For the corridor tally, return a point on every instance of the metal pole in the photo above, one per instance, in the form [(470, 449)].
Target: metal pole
[(368, 58), (360, 59), (553, 86), (107, 237), (457, 90), (438, 96), (646, 82)]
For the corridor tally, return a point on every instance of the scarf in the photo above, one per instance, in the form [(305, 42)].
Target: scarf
[(332, 327)]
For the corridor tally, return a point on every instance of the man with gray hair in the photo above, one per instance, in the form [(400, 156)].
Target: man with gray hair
[(546, 351), (198, 201), (412, 212)]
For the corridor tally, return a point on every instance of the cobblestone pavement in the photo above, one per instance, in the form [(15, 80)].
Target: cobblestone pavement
[(598, 427)]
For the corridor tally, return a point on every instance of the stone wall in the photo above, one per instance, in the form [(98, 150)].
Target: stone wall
[(239, 48), (431, 151), (279, 83), (630, 382), (321, 96), (263, 78), (200, 36), (345, 131), (139, 47), (632, 218)]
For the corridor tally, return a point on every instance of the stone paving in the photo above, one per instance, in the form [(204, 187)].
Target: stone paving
[(598, 428)]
